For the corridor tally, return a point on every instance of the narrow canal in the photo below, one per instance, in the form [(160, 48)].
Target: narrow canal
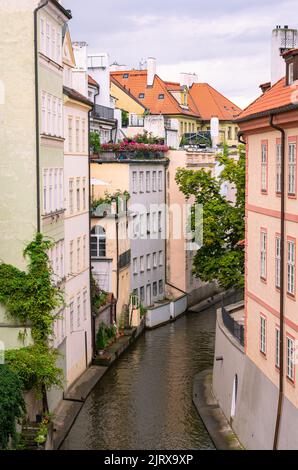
[(145, 400)]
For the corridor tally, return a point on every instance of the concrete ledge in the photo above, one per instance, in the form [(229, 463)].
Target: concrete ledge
[(208, 302), (213, 418)]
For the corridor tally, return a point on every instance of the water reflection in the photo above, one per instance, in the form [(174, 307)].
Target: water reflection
[(145, 400)]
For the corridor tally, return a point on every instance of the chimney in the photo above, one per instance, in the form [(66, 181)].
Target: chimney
[(151, 70), (99, 69), (115, 67), (265, 86), (79, 73), (283, 39), (188, 79)]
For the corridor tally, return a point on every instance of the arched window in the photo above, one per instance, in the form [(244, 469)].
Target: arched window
[(98, 242)]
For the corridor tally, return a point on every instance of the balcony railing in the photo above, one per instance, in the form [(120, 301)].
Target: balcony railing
[(103, 112), (124, 259), (233, 326)]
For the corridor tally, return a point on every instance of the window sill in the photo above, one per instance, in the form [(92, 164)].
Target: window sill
[(52, 137), (291, 296), (292, 196), (290, 381), (53, 214), (263, 279), (51, 61), (263, 354)]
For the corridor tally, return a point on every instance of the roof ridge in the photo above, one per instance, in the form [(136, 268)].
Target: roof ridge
[(259, 98)]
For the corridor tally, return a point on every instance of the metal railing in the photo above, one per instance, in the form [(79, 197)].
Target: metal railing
[(124, 259), (233, 326), (103, 112)]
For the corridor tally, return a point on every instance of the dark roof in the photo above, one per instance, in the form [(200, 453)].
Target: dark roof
[(75, 95), (58, 5)]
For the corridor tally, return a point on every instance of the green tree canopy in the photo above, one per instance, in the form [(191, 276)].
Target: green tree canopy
[(221, 256)]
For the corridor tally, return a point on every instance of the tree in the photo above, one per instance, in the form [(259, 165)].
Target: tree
[(221, 256)]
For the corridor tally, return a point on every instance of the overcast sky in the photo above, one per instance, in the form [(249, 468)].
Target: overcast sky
[(226, 42)]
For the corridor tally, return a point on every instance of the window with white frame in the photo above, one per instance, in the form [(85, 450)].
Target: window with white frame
[(278, 168), (155, 260), (263, 334), (56, 258), (52, 190), (263, 254), (277, 347), (70, 134), (50, 40), (78, 310), (71, 314), (98, 242), (85, 304), (135, 265), (264, 162), (42, 35), (277, 260), (290, 358), (148, 181), (141, 181), (71, 256), (155, 289), (142, 225), (78, 254), (148, 223), (148, 262), (84, 251), (292, 169), (78, 194), (159, 221), (77, 135), (134, 181), (154, 222), (160, 181), (142, 264), (83, 135), (154, 181), (84, 194), (160, 286), (142, 293), (70, 195), (291, 267), (160, 258), (51, 115)]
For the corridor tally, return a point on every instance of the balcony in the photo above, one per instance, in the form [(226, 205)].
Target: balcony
[(233, 319), (103, 112)]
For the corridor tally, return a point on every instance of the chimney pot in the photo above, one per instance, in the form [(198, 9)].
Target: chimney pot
[(151, 70)]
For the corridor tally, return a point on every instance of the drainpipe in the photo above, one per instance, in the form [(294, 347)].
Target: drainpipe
[(282, 275), (89, 216), (44, 4)]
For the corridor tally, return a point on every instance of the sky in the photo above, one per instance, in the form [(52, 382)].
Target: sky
[(226, 42)]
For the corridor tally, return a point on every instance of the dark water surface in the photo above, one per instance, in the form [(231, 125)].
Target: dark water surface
[(145, 400)]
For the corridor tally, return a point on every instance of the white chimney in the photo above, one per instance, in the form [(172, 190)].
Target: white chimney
[(214, 130), (151, 70), (79, 73), (282, 40), (187, 79), (99, 69), (115, 67)]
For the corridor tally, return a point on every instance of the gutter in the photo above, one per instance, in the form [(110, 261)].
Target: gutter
[(37, 136), (282, 289), (270, 112)]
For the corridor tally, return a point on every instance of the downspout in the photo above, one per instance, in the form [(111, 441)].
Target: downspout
[(37, 112), (89, 216), (282, 275)]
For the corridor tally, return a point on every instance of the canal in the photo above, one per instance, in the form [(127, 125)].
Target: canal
[(145, 400)]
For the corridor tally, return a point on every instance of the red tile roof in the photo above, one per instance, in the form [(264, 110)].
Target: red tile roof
[(136, 83), (92, 82), (210, 103), (125, 90), (277, 97)]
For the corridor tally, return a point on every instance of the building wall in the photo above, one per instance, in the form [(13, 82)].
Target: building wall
[(262, 294), (125, 102)]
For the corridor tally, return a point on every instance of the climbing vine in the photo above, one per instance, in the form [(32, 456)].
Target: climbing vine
[(32, 297), (12, 405)]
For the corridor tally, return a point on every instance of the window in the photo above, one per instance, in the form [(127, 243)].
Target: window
[(71, 312), (78, 193), (84, 252), (160, 258), (54, 116), (135, 265), (83, 135), (148, 223), (154, 289), (291, 268), (50, 190), (71, 256), (161, 96), (292, 169), (264, 168), (263, 255), (84, 194), (291, 73), (98, 242), (42, 35), (148, 182), (141, 181), (148, 262), (154, 181), (142, 266), (160, 181), (51, 115), (45, 190), (159, 221), (134, 182), (55, 189), (160, 286), (44, 113), (85, 304), (77, 135), (263, 334), (70, 195), (78, 254), (141, 95), (70, 134), (277, 261), (277, 347), (155, 260), (61, 189), (125, 75), (290, 358), (229, 133), (62, 270), (142, 225), (142, 293), (278, 168), (47, 50), (78, 311)]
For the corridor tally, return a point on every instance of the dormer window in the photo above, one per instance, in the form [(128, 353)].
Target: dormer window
[(291, 73), (141, 95), (125, 75), (291, 58), (161, 96)]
